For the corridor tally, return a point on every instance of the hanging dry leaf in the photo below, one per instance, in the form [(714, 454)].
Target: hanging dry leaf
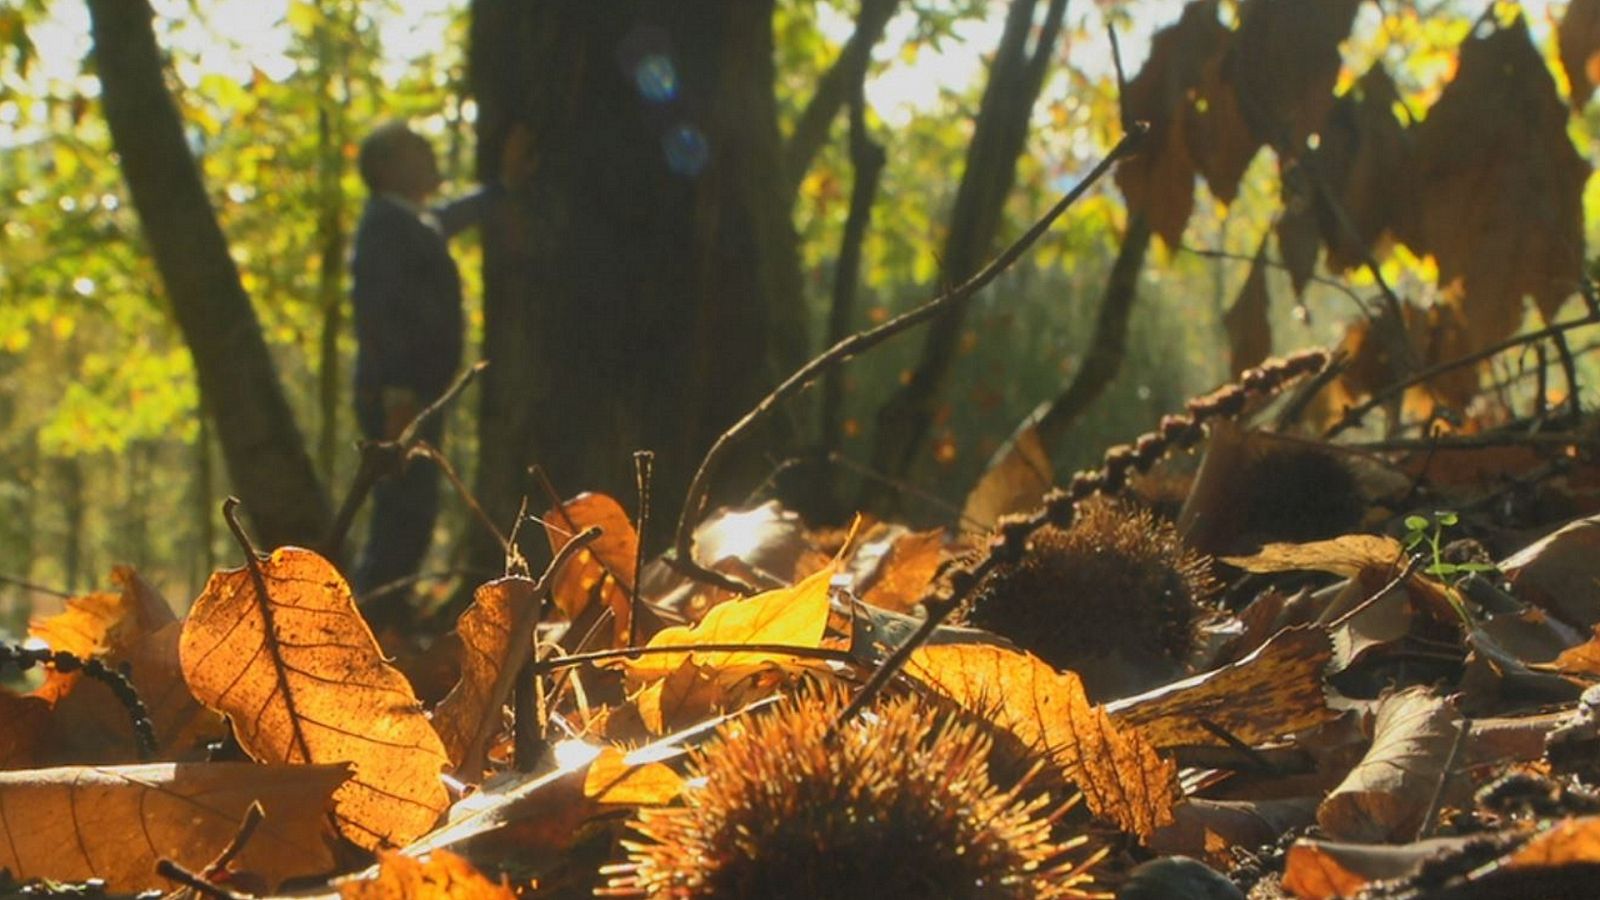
[(617, 777), (792, 616), (1578, 40), (1219, 140), (605, 569), (1299, 238), (496, 639), (1119, 772), (299, 674), (1275, 691), (1016, 479), (1364, 155), (1499, 185), (1159, 181), (1349, 555), (1385, 796), (72, 824), (1249, 331), (442, 875), (1284, 64)]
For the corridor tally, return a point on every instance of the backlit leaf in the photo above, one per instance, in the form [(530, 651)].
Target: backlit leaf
[(1348, 555), (605, 569), (496, 634), (1016, 479), (301, 677), (442, 875), (614, 777)]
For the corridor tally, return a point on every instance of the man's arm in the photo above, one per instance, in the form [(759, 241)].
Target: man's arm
[(463, 213)]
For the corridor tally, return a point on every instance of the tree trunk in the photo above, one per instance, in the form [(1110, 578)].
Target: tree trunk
[(267, 462), (1015, 78), (639, 287), (331, 135)]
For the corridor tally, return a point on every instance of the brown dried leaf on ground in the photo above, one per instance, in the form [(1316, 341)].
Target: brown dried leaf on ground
[(1560, 573), (1349, 556), (302, 679), (1575, 840), (442, 875), (1578, 40), (72, 824), (1500, 186), (1276, 690), (1118, 770), (1249, 331), (496, 639), (907, 570), (1016, 480), (1284, 64), (27, 719), (1159, 181), (1386, 795), (605, 569), (1324, 870)]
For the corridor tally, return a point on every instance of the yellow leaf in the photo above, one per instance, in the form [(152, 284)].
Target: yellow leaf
[(441, 876), (496, 639), (613, 778), (1348, 556), (301, 677), (605, 569), (1119, 772)]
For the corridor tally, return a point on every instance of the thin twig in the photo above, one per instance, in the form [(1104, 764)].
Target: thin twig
[(529, 699), (1314, 278), (36, 588), (381, 458), (827, 654), (1480, 441), (695, 500), (1430, 819), (1356, 413), (253, 817), (1245, 750), (173, 872), (426, 450), (269, 631), (643, 467), (1405, 573)]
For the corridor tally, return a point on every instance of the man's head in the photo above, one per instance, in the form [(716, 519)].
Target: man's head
[(396, 160)]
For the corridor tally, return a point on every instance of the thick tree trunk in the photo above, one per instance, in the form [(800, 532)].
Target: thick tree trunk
[(1015, 78), (267, 462), (638, 283)]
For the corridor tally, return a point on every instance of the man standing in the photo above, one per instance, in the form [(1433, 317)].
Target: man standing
[(407, 295)]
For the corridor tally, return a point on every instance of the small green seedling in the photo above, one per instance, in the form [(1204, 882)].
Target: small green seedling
[(1431, 529)]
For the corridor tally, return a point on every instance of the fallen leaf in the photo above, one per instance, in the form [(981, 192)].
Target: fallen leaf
[(1016, 479), (1349, 555), (496, 634), (99, 624), (1578, 41), (1499, 186), (442, 875), (1324, 870), (1572, 840), (1583, 659), (1560, 573), (76, 823), (791, 616), (1249, 331), (1275, 691), (907, 570), (605, 569), (299, 674), (1117, 769), (1385, 796), (617, 777), (27, 720)]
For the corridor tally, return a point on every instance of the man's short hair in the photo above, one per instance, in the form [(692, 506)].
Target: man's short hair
[(380, 149)]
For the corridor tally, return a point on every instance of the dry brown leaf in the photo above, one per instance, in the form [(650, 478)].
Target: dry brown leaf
[(496, 639), (1017, 478), (1284, 64), (1500, 186), (76, 823), (1348, 555), (1275, 691), (605, 569), (1249, 331), (1311, 872), (1385, 796), (1323, 870), (1578, 39), (100, 624), (907, 570), (1575, 840), (302, 679), (617, 777), (791, 616), (1159, 181), (27, 719), (441, 876), (1366, 152), (1560, 573), (1119, 772), (1583, 659), (1219, 140), (1299, 238)]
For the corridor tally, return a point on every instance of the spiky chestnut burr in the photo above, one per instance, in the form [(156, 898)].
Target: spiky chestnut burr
[(1115, 597), (899, 803)]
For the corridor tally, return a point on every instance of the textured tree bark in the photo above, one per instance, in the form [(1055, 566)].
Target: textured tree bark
[(1015, 78), (642, 285), (267, 462)]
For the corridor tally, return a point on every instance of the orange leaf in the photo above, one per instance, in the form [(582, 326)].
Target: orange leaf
[(1016, 479), (1570, 841), (496, 634), (907, 570), (1348, 555), (1119, 772), (1276, 690), (617, 777), (604, 569), (793, 616), (302, 679), (114, 823), (1311, 873), (441, 876)]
